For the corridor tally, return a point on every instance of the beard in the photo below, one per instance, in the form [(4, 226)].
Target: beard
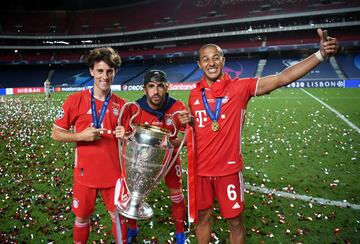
[(156, 102)]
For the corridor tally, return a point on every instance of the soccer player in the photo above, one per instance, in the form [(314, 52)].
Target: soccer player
[(47, 85), (89, 118), (218, 104), (156, 108)]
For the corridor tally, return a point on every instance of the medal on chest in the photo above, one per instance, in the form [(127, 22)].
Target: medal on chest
[(215, 126), (214, 116), (98, 120)]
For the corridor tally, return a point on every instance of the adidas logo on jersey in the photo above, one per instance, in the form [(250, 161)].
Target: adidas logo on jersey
[(196, 102), (236, 206)]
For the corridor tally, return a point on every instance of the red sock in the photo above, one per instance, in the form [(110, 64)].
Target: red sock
[(178, 211), (81, 232), (123, 230)]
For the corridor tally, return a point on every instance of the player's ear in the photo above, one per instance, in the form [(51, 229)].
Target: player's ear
[(198, 63), (91, 72)]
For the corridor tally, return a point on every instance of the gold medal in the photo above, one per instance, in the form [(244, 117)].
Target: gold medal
[(215, 126)]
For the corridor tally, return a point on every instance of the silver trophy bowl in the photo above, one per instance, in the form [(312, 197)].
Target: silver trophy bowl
[(145, 157)]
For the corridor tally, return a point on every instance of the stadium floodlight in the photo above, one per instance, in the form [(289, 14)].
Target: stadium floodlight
[(86, 41)]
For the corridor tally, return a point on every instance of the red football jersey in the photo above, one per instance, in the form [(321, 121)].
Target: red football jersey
[(96, 163), (145, 117), (218, 153)]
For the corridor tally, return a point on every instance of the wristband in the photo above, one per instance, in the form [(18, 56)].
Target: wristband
[(319, 56)]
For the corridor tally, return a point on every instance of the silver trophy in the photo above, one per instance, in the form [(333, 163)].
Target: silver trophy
[(145, 158)]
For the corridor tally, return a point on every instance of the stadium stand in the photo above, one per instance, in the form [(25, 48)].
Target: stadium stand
[(350, 65), (131, 71), (68, 57), (323, 71), (166, 35), (70, 75), (151, 14), (176, 72), (32, 22), (10, 76)]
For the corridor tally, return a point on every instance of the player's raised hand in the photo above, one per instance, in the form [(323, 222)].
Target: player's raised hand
[(329, 46), (184, 117)]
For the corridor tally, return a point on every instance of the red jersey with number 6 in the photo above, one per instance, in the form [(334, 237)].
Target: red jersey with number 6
[(218, 153)]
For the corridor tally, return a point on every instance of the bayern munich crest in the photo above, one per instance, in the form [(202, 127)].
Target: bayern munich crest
[(168, 121), (115, 112)]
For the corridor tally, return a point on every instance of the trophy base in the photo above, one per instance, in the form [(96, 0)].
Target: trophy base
[(138, 211)]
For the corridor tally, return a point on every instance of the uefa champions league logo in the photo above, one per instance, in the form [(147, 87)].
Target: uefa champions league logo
[(289, 62), (60, 114)]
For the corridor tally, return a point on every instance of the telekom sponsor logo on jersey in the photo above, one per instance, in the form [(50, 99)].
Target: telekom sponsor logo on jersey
[(201, 117)]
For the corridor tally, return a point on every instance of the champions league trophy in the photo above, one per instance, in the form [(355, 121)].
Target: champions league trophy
[(145, 158)]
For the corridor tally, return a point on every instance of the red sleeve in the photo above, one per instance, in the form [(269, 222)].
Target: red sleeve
[(67, 115), (252, 86), (246, 87)]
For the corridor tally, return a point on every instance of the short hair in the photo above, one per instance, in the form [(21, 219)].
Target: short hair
[(210, 45), (106, 54)]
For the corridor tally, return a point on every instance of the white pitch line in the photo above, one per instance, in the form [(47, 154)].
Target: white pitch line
[(317, 200), (341, 116)]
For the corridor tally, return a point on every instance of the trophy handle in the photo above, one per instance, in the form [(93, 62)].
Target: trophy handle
[(167, 169), (132, 117), (120, 141), (173, 124)]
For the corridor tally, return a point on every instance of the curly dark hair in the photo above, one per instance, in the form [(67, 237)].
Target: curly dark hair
[(106, 54)]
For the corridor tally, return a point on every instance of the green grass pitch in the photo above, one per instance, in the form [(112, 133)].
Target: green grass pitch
[(291, 143)]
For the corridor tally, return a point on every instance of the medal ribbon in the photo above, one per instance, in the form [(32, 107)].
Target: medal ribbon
[(97, 121), (213, 116)]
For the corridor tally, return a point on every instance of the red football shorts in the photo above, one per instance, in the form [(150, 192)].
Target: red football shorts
[(84, 199), (228, 190), (173, 178)]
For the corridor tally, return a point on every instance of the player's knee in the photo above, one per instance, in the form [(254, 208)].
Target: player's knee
[(236, 223), (204, 216)]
